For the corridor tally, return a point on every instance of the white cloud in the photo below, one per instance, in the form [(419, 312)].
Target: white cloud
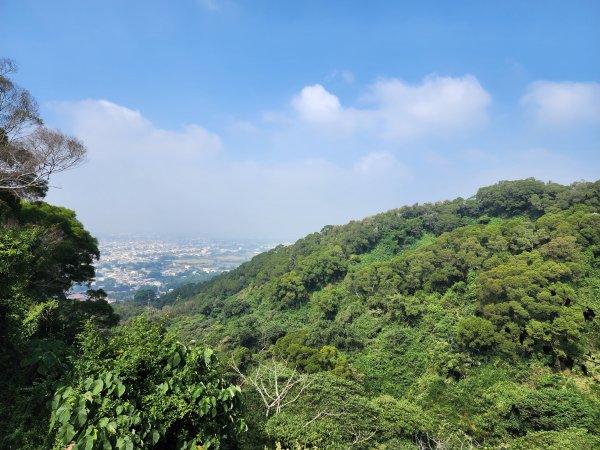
[(315, 104), (115, 132), (563, 103), (393, 109), (438, 105)]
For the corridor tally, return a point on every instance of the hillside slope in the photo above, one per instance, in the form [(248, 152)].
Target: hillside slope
[(459, 323)]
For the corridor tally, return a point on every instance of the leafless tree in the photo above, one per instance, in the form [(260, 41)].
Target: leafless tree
[(432, 442), (358, 437), (29, 152), (324, 413), (277, 384), (29, 162), (18, 109)]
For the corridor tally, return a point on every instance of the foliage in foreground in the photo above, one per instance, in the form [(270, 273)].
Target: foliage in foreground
[(142, 388), (43, 251)]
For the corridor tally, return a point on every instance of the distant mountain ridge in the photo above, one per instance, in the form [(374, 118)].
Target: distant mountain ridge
[(405, 225)]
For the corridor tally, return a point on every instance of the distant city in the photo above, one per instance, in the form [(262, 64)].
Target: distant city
[(130, 263)]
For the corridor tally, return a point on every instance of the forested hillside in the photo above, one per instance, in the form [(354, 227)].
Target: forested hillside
[(455, 324)]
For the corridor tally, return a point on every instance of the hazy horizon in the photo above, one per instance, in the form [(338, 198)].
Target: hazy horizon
[(218, 120)]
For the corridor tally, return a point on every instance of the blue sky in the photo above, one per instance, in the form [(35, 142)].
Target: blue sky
[(226, 118)]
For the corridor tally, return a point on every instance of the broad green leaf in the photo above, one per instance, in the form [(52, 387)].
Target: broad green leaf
[(87, 384), (69, 433), (155, 437), (207, 356), (63, 414), (80, 417), (56, 401), (197, 392), (52, 422), (85, 443), (97, 387), (203, 408), (67, 393)]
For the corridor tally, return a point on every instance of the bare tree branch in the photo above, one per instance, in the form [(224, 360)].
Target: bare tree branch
[(275, 383), (18, 109), (358, 438), (321, 414), (29, 162), (433, 442), (29, 152)]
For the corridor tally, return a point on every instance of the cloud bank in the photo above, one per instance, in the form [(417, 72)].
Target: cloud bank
[(563, 104), (133, 136), (393, 109)]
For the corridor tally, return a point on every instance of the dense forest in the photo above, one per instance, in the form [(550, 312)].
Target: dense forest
[(459, 324)]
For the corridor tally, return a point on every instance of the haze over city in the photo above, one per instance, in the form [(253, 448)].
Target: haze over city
[(269, 120)]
